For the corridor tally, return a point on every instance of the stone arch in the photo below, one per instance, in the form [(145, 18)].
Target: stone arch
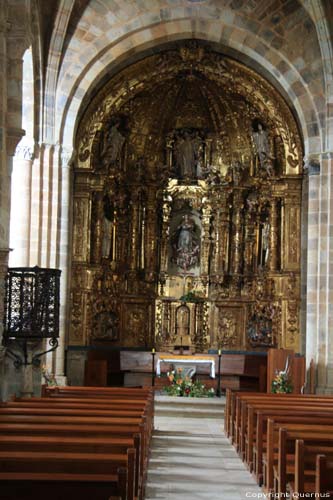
[(287, 78)]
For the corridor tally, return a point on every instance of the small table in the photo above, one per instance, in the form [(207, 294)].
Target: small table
[(181, 360)]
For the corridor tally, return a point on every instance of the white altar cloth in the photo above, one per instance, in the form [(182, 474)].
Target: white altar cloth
[(180, 360)]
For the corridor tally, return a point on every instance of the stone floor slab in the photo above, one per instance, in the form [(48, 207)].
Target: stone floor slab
[(191, 458)]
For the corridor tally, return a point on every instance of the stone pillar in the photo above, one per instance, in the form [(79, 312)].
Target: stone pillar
[(27, 386), (20, 204), (49, 212), (66, 160), (3, 271), (312, 284), (304, 258), (325, 278)]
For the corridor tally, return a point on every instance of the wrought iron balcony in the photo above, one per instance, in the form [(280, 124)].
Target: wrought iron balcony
[(32, 299)]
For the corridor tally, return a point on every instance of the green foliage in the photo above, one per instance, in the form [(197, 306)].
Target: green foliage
[(185, 387), (190, 297)]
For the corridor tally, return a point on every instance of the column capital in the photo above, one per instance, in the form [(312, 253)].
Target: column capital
[(13, 137), (67, 156), (26, 149), (312, 164)]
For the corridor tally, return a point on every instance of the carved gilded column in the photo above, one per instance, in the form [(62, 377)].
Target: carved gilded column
[(219, 263), (236, 249), (134, 242), (217, 259), (206, 215), (151, 241), (273, 236), (165, 235), (96, 228), (249, 243)]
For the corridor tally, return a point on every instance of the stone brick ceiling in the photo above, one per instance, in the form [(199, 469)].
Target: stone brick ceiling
[(274, 36)]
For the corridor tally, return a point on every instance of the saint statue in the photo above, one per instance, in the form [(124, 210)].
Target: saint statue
[(261, 143), (262, 149), (265, 241), (187, 152), (112, 146), (107, 228), (186, 247)]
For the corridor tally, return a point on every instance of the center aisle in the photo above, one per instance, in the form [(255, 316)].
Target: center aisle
[(191, 458)]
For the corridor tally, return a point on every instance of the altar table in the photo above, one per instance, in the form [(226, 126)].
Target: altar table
[(181, 360)]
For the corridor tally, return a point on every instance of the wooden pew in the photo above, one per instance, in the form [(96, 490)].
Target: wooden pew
[(277, 401), (247, 430), (324, 476), (57, 486), (118, 426), (268, 402), (50, 443), (284, 470), (234, 400), (93, 413), (243, 431), (304, 480), (276, 442), (42, 407), (117, 405), (41, 463), (279, 417), (93, 392)]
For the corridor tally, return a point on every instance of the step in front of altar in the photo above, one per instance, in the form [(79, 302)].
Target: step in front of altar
[(180, 407)]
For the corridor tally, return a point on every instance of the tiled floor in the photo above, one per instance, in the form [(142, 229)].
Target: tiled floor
[(191, 458)]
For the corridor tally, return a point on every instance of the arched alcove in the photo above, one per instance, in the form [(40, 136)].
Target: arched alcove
[(187, 137)]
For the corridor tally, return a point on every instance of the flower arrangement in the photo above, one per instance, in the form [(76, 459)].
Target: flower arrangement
[(49, 377), (281, 383), (185, 387)]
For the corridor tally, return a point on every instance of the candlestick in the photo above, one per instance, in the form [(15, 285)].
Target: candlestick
[(218, 392), (153, 367)]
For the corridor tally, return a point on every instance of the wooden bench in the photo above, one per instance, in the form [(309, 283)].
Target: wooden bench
[(246, 435), (97, 392), (304, 478), (247, 430), (57, 486), (234, 400), (86, 424), (124, 425), (279, 417), (284, 467), (15, 463), (50, 443), (324, 476)]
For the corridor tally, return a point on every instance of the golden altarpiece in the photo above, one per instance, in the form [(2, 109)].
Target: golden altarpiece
[(186, 208)]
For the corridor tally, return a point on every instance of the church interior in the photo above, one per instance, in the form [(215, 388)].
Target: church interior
[(165, 191)]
